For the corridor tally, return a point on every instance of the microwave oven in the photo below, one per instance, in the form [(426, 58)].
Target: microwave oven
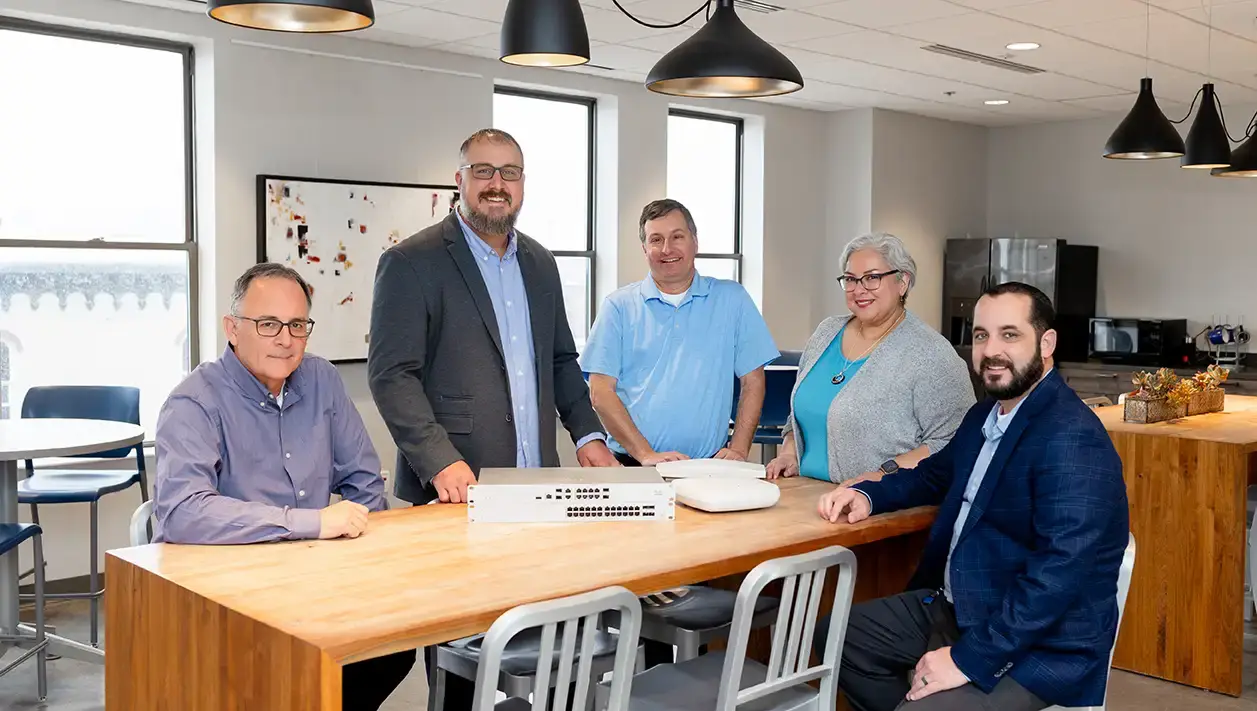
[(1138, 341)]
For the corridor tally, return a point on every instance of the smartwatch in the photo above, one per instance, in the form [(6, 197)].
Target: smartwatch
[(889, 466)]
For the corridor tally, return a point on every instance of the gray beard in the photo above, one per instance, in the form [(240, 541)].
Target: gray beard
[(485, 224)]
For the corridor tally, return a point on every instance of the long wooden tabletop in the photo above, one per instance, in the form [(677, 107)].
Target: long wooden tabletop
[(425, 575), (1236, 424)]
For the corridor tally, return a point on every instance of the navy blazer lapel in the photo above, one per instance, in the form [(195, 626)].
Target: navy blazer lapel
[(540, 310), (456, 243), (1036, 401)]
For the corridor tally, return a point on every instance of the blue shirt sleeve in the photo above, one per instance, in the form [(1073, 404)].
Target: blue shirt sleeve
[(603, 348), (355, 464), (755, 345)]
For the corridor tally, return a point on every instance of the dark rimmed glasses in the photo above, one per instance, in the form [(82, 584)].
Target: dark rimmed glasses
[(485, 171), (870, 282), (270, 327)]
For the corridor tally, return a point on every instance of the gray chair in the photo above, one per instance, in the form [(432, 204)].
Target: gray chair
[(727, 680), (543, 622), (517, 665), (692, 616), (141, 530), (11, 535)]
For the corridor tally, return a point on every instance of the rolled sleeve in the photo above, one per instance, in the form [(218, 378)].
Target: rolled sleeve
[(755, 346)]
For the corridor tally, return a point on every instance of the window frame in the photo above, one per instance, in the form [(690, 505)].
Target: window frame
[(591, 105), (189, 244), (739, 132)]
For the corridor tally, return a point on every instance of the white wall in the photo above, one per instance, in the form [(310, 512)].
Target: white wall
[(1173, 242), (389, 113)]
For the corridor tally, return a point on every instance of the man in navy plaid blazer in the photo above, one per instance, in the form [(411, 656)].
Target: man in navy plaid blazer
[(1013, 607)]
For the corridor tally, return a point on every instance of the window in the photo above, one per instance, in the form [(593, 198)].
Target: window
[(557, 135), (96, 226), (705, 175)]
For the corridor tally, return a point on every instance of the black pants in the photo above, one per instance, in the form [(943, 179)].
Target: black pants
[(885, 640), (366, 684)]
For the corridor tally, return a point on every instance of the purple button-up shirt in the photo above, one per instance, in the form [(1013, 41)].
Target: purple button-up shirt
[(234, 466)]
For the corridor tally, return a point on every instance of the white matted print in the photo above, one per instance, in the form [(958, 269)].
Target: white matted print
[(333, 233)]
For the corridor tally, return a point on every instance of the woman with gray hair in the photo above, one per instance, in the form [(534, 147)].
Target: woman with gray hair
[(879, 389)]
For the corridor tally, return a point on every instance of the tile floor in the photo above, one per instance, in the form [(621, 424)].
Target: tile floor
[(77, 686)]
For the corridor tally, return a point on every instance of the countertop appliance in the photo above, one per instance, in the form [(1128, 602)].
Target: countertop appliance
[(1065, 272), (1141, 341)]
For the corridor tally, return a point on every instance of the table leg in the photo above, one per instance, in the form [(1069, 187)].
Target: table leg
[(8, 563)]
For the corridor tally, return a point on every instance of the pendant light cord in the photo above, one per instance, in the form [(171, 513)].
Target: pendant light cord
[(706, 6), (1190, 110)]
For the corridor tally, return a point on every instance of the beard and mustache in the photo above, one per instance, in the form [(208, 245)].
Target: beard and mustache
[(1022, 378), (486, 223)]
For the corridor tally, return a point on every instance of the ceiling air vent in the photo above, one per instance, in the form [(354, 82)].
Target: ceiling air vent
[(982, 59), (756, 6)]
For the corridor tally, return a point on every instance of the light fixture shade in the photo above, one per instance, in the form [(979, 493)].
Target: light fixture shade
[(1145, 133), (295, 15), (544, 33), (1207, 143), (1243, 162), (724, 59)]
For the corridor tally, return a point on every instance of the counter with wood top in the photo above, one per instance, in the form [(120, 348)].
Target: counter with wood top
[(269, 626), (1187, 482)]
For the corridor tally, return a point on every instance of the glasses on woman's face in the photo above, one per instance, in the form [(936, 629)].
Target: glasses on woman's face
[(870, 282), (485, 171), (270, 327)]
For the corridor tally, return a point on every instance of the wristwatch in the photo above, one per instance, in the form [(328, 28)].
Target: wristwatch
[(889, 466)]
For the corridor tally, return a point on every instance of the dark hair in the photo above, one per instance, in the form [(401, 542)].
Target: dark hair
[(662, 208), (1042, 313), (266, 270), (492, 135)]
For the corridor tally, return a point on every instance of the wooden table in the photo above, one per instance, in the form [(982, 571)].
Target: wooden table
[(37, 438), (1187, 484), (269, 626)]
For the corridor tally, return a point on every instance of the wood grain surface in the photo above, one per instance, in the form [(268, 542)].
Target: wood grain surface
[(1235, 425)]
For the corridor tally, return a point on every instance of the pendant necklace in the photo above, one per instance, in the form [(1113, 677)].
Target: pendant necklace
[(842, 375)]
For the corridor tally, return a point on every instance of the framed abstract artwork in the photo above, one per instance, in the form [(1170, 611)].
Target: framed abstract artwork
[(333, 233)]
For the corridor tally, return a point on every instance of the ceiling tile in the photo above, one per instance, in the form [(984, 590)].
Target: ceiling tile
[(493, 10), (991, 4), (959, 30), (1062, 13), (375, 33), (791, 26), (881, 13), (621, 57), (437, 25), (614, 26), (1236, 18)]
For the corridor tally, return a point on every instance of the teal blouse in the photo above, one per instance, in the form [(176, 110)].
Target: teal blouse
[(811, 407)]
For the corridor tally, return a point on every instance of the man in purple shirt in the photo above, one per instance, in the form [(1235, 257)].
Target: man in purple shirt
[(251, 447)]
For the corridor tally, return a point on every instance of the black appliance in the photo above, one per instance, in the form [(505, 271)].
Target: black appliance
[(1139, 341)]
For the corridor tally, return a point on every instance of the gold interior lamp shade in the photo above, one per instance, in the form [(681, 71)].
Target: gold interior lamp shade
[(295, 15)]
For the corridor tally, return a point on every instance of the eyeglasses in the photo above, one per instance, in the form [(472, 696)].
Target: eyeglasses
[(485, 171), (270, 327), (870, 282)]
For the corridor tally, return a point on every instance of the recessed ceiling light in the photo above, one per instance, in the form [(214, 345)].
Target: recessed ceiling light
[(1022, 46), (995, 102)]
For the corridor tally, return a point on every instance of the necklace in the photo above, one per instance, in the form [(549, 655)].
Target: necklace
[(842, 374)]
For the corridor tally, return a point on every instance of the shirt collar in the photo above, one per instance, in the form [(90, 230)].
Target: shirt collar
[(481, 248), (701, 286), (251, 387)]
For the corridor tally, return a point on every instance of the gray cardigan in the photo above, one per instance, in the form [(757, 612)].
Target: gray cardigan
[(914, 389)]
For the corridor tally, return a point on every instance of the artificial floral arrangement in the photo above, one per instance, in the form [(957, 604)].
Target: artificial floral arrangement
[(1163, 395)]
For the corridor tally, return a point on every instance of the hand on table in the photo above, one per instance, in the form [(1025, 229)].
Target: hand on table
[(782, 466), (596, 454), (935, 672), (343, 518), (451, 483), (731, 454), (654, 458), (866, 476), (844, 505)]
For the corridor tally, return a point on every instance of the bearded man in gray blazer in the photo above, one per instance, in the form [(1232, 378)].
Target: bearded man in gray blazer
[(470, 353)]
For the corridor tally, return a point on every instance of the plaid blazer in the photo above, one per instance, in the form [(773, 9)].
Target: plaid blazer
[(1034, 573)]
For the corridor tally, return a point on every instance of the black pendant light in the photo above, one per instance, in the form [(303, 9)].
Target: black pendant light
[(724, 59), (1145, 133), (1243, 162), (295, 15), (544, 33), (1207, 142)]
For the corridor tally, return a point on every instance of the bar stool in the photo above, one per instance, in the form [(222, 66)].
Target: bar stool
[(12, 535)]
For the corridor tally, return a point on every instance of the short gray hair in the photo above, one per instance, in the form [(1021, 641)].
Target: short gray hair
[(266, 270), (490, 135), (892, 250)]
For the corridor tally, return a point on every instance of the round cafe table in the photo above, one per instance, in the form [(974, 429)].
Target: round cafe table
[(36, 438)]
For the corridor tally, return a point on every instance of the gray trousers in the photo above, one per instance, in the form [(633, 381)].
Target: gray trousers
[(885, 640)]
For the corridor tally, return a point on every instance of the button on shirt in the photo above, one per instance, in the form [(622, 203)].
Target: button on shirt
[(674, 365), (236, 464), (992, 431), (505, 284)]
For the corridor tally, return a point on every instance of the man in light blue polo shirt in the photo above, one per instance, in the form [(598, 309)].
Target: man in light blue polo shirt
[(663, 353)]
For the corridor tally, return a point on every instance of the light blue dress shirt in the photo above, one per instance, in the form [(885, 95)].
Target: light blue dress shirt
[(992, 431), (812, 401), (675, 365), (505, 283)]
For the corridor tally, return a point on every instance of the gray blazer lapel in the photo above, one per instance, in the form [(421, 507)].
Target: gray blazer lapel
[(457, 246)]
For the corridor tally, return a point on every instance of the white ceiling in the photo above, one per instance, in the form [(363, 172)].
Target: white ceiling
[(867, 53)]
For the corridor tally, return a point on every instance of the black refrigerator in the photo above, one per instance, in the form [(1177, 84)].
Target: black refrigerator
[(1065, 272)]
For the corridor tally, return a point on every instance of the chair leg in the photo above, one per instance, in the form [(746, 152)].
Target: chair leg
[(41, 658), (94, 577), (436, 688), (687, 648)]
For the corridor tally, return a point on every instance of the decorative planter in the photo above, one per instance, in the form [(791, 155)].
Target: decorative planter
[(1149, 411), (1206, 401)]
